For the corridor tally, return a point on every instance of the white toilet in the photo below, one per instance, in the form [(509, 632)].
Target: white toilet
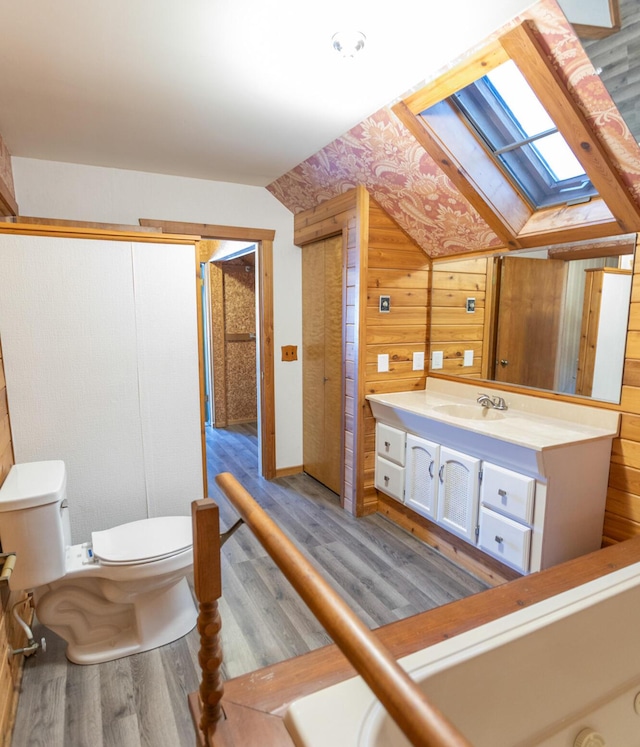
[(122, 593)]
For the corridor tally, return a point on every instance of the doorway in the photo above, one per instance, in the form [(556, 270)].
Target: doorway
[(231, 318), (263, 240)]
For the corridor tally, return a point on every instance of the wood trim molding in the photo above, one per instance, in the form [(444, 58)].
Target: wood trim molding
[(127, 228), (210, 230), (362, 233), (266, 384), (8, 204), (201, 367), (72, 230)]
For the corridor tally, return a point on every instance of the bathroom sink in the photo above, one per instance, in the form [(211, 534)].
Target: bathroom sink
[(469, 412)]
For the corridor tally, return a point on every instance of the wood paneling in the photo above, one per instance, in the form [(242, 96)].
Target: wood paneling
[(622, 518), (240, 354), (396, 267), (453, 328)]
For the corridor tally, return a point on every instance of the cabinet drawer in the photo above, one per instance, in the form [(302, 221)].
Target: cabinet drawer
[(508, 492), (390, 443), (390, 478), (505, 539)]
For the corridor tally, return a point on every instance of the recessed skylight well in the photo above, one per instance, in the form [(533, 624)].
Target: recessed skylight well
[(506, 130), (521, 137)]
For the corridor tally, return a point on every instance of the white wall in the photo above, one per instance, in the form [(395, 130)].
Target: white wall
[(89, 193), (100, 353)]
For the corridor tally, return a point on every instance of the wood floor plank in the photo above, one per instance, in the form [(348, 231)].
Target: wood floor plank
[(83, 727), (383, 572)]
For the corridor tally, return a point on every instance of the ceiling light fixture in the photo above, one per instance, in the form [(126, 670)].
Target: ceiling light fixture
[(348, 43)]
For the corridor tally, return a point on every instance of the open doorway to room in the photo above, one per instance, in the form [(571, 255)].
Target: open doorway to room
[(229, 323), (212, 237)]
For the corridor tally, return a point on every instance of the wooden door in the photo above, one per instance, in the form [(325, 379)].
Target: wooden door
[(528, 326), (322, 361)]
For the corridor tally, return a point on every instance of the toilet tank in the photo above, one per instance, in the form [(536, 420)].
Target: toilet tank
[(31, 522)]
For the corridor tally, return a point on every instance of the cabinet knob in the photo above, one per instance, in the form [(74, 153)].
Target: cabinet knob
[(504, 363), (387, 445), (386, 480), (502, 493), (499, 539)]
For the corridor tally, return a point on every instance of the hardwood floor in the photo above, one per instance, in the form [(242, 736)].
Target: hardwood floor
[(383, 572)]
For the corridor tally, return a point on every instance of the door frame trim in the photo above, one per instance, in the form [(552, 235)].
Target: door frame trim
[(263, 238)]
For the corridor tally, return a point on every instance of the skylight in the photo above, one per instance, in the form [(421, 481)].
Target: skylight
[(522, 138)]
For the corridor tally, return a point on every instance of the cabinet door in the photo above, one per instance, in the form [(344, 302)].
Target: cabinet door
[(421, 475), (458, 493)]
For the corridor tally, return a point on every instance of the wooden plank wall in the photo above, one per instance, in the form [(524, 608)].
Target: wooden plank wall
[(622, 518), (453, 329), (10, 633), (396, 267)]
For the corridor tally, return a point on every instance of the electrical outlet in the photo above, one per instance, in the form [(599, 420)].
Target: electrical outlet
[(418, 361), (383, 362), (437, 359), (468, 358), (289, 352)]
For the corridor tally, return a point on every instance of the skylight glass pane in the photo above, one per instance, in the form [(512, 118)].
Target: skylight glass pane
[(559, 157), (520, 99)]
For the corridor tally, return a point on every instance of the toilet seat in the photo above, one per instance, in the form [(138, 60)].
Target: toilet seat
[(143, 541)]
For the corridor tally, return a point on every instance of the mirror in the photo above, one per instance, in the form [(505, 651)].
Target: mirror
[(553, 319)]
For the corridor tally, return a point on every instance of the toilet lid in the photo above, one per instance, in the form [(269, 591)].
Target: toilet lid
[(143, 541)]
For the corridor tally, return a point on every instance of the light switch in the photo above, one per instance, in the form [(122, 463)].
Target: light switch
[(418, 361), (468, 358), (383, 362), (437, 359)]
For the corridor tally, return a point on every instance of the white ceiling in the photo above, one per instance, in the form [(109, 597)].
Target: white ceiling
[(229, 90)]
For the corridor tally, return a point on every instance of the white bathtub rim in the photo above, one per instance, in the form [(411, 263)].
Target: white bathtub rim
[(306, 717)]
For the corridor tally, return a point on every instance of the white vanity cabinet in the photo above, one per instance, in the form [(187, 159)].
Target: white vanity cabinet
[(527, 486)]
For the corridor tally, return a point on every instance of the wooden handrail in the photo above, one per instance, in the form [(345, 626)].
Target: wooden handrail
[(420, 721)]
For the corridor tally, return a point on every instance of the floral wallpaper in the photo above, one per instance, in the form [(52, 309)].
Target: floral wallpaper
[(381, 154)]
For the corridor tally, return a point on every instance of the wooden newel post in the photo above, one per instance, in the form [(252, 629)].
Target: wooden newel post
[(208, 588)]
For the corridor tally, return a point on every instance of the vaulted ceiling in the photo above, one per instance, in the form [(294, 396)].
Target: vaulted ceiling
[(384, 156), (230, 90)]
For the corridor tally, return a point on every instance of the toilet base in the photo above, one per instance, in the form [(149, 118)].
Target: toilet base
[(97, 630)]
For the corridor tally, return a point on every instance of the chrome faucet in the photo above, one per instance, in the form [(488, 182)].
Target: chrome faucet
[(496, 403)]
